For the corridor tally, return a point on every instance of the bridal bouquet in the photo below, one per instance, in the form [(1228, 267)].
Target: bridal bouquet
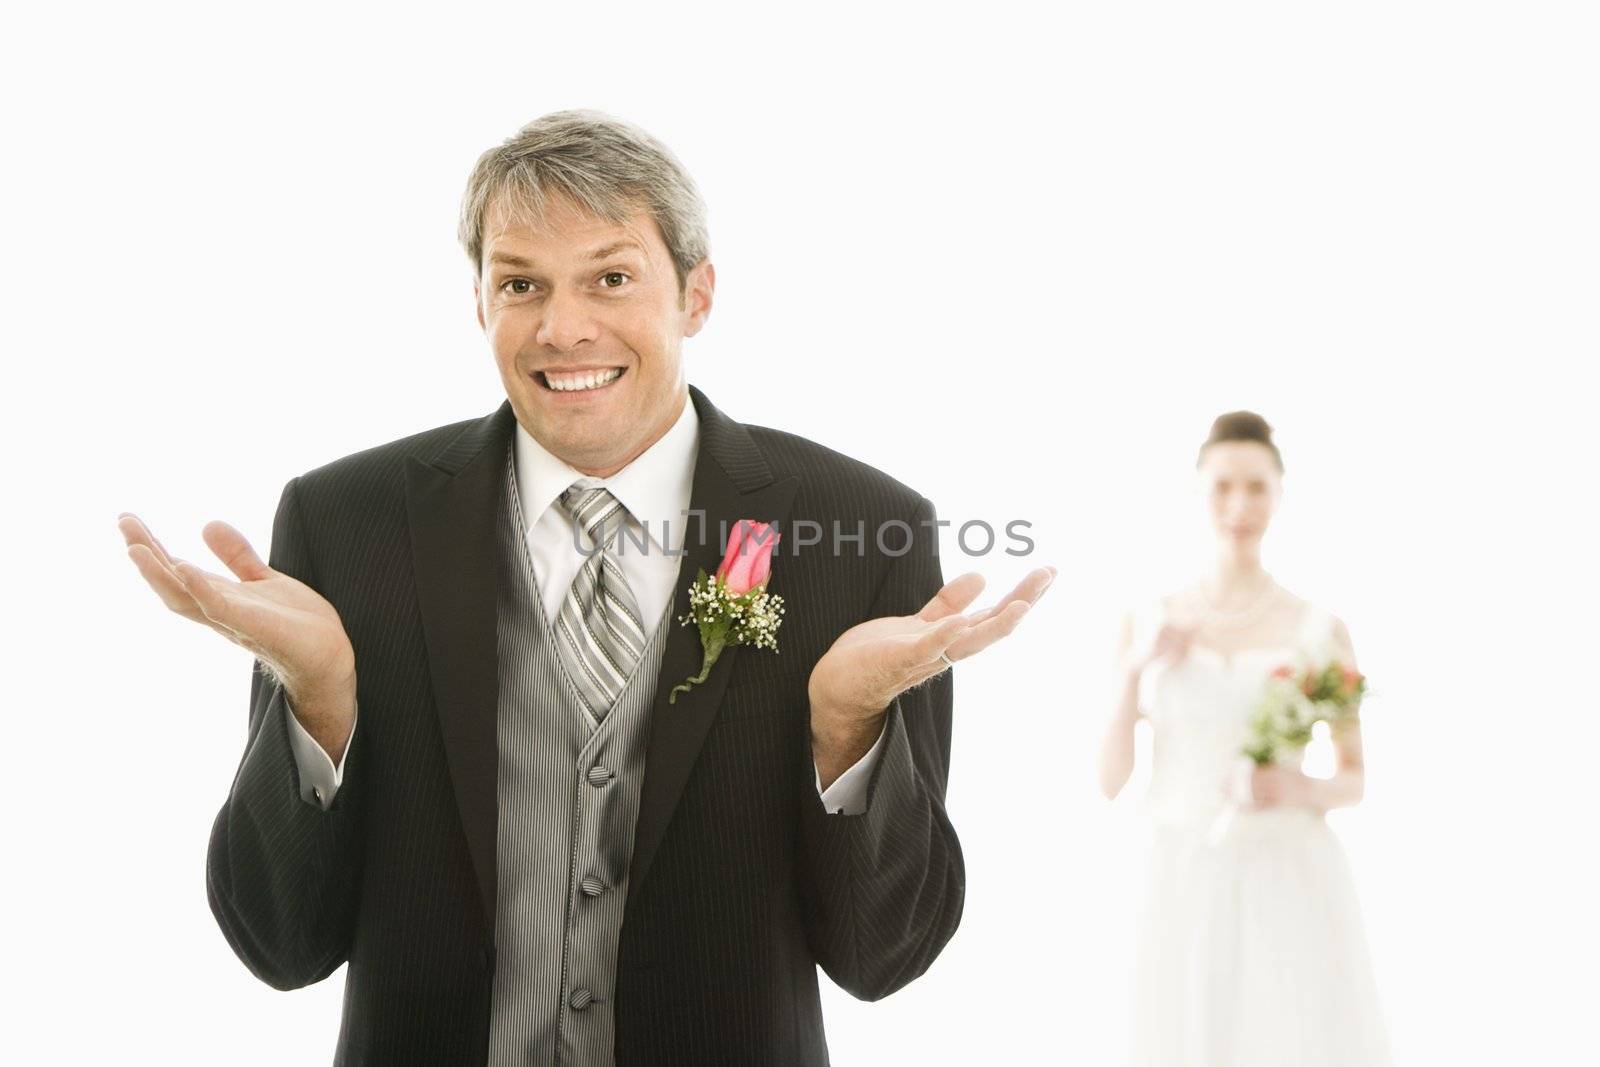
[(1295, 701)]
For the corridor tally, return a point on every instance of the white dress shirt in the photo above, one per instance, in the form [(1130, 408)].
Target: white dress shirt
[(655, 490)]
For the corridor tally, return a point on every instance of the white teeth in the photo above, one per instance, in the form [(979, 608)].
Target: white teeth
[(577, 382)]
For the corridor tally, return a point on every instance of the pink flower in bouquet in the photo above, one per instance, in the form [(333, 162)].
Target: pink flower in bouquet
[(1284, 671), (1350, 679), (749, 557)]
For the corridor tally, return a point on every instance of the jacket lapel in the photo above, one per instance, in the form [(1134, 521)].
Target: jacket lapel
[(451, 501), (731, 482)]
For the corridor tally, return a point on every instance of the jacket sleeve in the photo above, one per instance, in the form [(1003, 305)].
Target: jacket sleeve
[(883, 890), (282, 875)]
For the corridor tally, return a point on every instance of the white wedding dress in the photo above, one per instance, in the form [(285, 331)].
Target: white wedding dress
[(1252, 950)]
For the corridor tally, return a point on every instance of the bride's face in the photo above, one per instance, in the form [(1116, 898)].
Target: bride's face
[(1241, 485)]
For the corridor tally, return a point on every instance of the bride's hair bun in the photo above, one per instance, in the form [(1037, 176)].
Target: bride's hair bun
[(1241, 426)]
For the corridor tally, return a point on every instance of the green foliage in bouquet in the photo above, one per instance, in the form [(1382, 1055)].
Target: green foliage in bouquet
[(1294, 702)]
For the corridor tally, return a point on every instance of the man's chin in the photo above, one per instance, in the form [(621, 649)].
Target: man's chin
[(581, 440)]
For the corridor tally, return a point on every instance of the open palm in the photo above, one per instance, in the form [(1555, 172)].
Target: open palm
[(279, 619), (873, 662)]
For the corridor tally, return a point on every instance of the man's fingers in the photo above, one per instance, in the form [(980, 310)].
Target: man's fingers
[(1033, 585), (232, 609), (954, 597), (921, 656), (135, 532), (990, 630), (924, 657), (228, 543), (959, 593), (959, 636), (941, 637), (1031, 588), (234, 550), (906, 653), (168, 586), (213, 603), (211, 599)]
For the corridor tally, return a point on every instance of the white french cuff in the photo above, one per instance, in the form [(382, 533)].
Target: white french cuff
[(848, 793), (319, 777)]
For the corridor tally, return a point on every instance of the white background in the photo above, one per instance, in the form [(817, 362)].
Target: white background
[(1019, 261)]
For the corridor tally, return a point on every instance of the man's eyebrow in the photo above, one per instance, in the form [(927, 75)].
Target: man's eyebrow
[(616, 246), (625, 245)]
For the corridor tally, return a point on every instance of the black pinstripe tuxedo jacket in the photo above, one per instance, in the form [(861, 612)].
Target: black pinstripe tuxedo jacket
[(740, 882)]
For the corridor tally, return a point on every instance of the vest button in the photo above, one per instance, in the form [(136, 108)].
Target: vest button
[(580, 999), (593, 887), (599, 777)]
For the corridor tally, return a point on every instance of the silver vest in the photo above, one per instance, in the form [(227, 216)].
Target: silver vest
[(568, 802)]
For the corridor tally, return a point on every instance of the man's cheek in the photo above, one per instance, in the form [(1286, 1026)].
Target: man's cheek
[(504, 337)]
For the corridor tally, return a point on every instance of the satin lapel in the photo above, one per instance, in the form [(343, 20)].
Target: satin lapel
[(452, 503), (731, 482)]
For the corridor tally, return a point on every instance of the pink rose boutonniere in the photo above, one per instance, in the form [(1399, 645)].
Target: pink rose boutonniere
[(733, 607)]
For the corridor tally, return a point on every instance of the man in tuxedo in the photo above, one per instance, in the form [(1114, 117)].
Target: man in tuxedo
[(465, 773)]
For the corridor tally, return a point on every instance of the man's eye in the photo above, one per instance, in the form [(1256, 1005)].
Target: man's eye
[(519, 286), (612, 279)]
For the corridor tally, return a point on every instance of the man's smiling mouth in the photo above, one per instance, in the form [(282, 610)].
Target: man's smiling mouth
[(579, 381)]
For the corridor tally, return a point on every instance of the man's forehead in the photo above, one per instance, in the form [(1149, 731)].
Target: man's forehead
[(509, 227)]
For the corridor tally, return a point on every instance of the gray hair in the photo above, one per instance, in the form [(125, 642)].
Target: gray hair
[(606, 166)]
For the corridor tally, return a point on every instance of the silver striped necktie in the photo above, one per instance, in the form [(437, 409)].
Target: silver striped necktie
[(599, 634)]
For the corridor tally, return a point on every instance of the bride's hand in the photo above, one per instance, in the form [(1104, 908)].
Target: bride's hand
[(1169, 646), (1273, 786)]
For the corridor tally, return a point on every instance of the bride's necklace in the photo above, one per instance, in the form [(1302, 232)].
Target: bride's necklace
[(1236, 619)]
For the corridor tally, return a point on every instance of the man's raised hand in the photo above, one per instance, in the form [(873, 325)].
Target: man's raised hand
[(870, 664), (280, 620)]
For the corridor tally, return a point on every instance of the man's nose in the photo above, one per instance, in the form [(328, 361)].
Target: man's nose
[(564, 322)]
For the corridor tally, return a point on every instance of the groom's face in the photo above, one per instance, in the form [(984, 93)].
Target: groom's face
[(586, 320)]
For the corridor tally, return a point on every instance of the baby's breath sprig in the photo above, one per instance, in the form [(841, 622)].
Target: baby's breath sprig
[(724, 618)]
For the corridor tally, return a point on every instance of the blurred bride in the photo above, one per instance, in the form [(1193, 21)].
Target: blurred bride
[(1251, 947)]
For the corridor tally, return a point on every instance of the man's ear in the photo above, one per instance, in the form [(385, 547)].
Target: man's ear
[(477, 305), (698, 288)]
